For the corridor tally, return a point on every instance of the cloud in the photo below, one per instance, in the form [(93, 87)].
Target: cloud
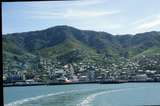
[(46, 15), (86, 14), (148, 23), (71, 14), (87, 2), (63, 4)]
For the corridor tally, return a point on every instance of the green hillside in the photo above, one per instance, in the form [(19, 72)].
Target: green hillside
[(68, 45)]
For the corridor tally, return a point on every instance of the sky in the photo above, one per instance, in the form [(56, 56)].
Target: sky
[(112, 16)]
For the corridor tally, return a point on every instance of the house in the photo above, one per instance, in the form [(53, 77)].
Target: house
[(141, 77), (30, 81), (83, 78)]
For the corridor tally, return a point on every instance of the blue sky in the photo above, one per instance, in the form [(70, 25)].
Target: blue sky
[(112, 16)]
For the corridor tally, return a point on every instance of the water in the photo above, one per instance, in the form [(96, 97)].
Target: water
[(128, 94)]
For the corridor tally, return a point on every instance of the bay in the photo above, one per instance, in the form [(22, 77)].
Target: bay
[(127, 94)]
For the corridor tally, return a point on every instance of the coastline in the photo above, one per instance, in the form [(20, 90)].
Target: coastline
[(70, 83)]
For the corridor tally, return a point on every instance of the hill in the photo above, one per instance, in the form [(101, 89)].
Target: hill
[(66, 45)]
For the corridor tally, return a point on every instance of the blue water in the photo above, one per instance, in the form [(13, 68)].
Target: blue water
[(128, 94)]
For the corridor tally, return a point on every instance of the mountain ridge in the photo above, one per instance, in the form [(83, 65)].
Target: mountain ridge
[(78, 29), (61, 40)]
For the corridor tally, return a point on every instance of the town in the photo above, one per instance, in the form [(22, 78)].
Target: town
[(47, 71)]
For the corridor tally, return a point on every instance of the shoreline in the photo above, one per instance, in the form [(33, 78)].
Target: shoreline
[(94, 82)]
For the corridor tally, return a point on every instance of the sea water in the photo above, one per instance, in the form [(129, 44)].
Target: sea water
[(126, 94)]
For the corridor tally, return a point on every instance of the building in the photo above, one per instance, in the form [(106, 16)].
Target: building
[(30, 81), (141, 77), (83, 78), (91, 74)]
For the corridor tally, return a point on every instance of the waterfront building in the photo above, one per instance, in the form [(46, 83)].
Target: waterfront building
[(91, 73), (30, 81), (157, 77), (75, 78), (141, 77), (24, 77), (4, 78), (59, 71), (83, 78), (69, 70), (20, 82)]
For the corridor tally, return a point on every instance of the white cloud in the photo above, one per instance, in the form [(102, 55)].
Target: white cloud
[(62, 4), (87, 2), (85, 14), (148, 18), (46, 15), (148, 23), (71, 14)]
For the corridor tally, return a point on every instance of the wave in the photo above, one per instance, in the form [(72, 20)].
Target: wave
[(25, 100), (87, 101)]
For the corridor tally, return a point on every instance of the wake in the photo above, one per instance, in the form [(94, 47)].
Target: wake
[(22, 101), (87, 101), (25, 100)]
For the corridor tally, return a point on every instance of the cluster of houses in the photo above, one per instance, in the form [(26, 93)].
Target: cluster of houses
[(48, 71)]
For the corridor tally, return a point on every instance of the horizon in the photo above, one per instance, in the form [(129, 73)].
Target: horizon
[(79, 29), (111, 16)]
